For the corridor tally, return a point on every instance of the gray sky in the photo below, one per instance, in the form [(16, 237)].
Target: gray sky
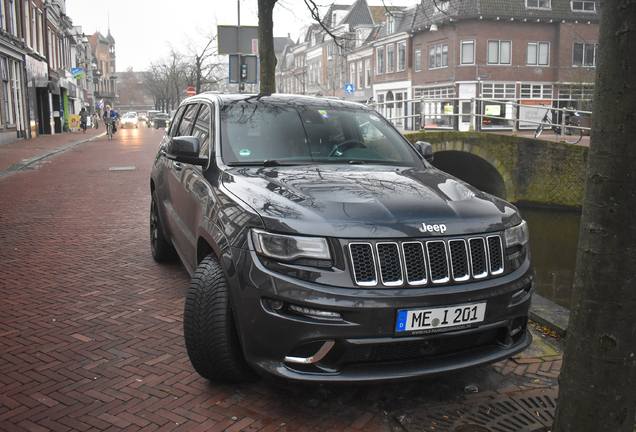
[(144, 30)]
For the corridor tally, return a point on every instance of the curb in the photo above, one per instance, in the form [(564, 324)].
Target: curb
[(26, 162), (549, 314)]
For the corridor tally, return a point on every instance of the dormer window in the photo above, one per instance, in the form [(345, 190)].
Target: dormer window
[(539, 4), (390, 24)]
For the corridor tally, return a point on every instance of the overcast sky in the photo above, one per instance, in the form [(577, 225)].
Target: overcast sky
[(144, 30)]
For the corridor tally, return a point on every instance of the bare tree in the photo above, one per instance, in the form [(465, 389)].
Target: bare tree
[(598, 384), (130, 88)]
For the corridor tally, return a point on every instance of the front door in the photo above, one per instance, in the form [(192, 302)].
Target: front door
[(464, 118)]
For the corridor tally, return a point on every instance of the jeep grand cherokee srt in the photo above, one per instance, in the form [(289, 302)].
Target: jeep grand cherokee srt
[(323, 246)]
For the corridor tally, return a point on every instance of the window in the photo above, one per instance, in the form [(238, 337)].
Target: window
[(584, 54), (438, 56), (541, 4), (201, 130), (352, 73), (417, 60), (27, 24), (536, 91), (499, 52), (390, 58), (12, 24), (468, 52), (329, 51), (379, 61), (367, 69), (390, 24), (360, 74), (538, 53), (584, 6), (401, 56)]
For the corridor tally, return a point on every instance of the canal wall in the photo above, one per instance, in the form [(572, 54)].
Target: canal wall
[(530, 170)]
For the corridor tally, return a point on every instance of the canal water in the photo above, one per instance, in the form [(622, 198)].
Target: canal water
[(554, 236)]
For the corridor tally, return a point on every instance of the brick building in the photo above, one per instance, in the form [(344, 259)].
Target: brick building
[(447, 52)]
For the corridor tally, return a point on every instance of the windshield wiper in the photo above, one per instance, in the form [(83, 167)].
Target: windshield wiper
[(271, 162)]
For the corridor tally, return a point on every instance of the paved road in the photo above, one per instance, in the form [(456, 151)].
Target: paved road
[(91, 327)]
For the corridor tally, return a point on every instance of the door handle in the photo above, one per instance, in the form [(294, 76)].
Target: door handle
[(177, 166)]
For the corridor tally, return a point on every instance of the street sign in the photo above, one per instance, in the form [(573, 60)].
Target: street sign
[(191, 91), (228, 37), (77, 73), (349, 88), (245, 71)]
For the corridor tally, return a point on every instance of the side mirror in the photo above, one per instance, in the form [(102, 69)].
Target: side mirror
[(425, 149), (185, 149)]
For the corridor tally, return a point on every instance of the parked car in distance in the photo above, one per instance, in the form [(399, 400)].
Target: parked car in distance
[(324, 247), (129, 120), (161, 120)]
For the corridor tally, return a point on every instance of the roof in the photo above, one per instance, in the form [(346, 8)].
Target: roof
[(559, 9), (358, 14)]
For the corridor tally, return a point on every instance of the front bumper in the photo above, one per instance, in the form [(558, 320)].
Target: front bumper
[(362, 345)]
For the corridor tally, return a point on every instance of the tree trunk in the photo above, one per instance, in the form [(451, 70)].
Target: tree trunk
[(597, 386), (267, 56)]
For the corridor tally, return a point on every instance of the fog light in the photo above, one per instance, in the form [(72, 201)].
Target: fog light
[(316, 313), (277, 305)]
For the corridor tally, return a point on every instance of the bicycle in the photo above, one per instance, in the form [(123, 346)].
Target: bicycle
[(571, 135), (108, 121)]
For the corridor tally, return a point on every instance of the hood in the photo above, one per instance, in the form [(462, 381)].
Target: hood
[(367, 201)]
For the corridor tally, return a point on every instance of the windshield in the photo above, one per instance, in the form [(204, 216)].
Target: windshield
[(255, 133)]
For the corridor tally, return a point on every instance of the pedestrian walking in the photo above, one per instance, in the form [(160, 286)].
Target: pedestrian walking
[(96, 120), (83, 115)]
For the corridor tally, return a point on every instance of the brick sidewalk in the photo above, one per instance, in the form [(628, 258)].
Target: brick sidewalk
[(91, 327)]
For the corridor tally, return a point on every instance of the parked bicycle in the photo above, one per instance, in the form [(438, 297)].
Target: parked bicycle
[(109, 126), (571, 135)]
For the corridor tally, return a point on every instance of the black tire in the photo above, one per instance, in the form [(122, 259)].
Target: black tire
[(162, 250), (572, 135), (209, 327), (538, 131)]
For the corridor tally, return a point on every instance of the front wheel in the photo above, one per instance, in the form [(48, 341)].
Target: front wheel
[(572, 135), (211, 336), (538, 131)]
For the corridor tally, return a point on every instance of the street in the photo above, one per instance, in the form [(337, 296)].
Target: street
[(91, 327)]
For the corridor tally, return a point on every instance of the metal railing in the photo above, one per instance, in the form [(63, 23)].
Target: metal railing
[(514, 119)]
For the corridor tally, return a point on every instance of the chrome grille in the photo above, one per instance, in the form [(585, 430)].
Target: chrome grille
[(437, 261)]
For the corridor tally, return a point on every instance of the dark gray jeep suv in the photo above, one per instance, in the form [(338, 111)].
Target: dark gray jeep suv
[(323, 246)]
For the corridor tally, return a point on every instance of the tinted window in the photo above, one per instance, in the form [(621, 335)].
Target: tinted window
[(183, 127), (201, 129), (329, 133)]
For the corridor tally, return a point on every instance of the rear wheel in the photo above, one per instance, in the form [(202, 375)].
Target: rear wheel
[(209, 327), (162, 250), (572, 135)]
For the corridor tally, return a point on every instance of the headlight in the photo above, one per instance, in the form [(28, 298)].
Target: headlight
[(517, 235), (285, 247)]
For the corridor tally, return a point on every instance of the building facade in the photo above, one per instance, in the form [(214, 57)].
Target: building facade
[(46, 64), (425, 65)]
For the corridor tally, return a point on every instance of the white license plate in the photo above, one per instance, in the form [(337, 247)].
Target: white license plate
[(442, 319)]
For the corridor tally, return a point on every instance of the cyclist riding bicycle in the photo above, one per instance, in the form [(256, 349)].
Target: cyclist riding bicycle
[(110, 113)]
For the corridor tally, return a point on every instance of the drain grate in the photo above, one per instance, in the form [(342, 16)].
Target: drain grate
[(531, 411)]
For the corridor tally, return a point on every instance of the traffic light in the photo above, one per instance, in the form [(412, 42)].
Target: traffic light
[(243, 71)]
